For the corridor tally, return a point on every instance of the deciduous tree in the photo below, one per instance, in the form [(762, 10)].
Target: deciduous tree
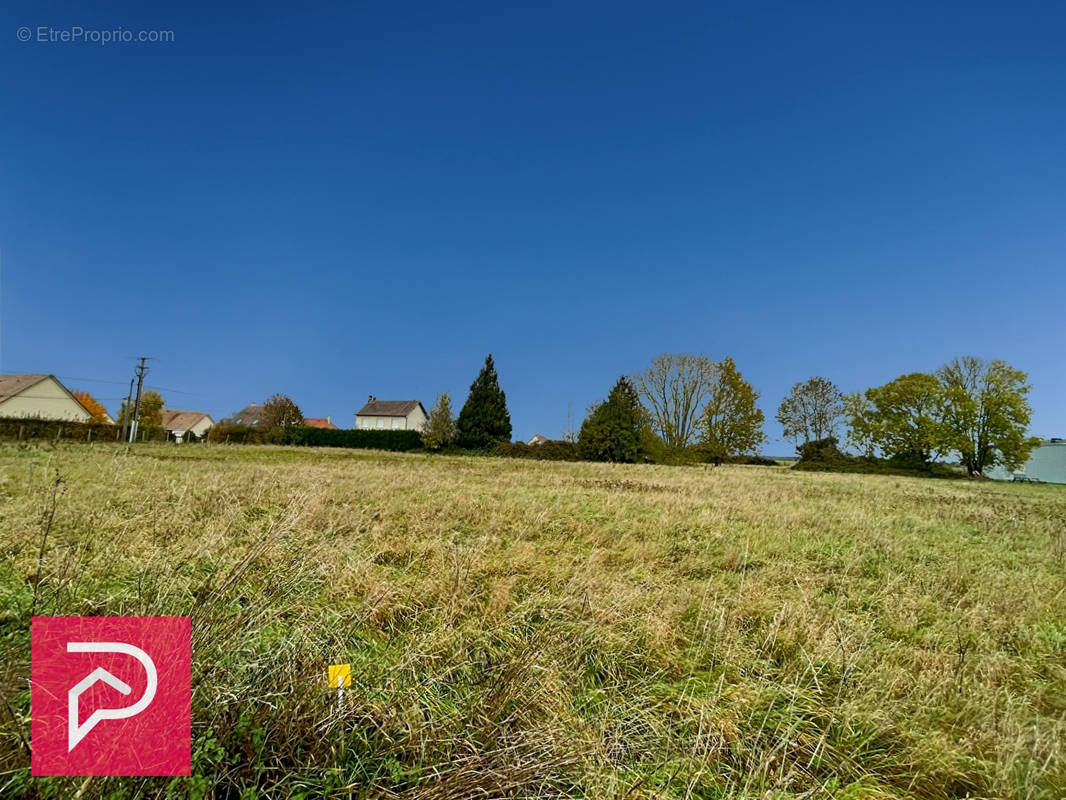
[(675, 389), (151, 409), (439, 431), (484, 420), (279, 411), (813, 410), (731, 422), (904, 419), (93, 406), (150, 418), (987, 413)]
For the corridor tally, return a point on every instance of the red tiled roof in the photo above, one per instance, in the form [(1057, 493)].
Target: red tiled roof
[(320, 422)]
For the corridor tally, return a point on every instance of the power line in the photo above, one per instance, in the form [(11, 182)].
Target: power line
[(103, 380), (53, 397), (64, 377), (174, 391)]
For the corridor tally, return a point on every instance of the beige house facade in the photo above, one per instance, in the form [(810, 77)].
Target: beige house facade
[(393, 415), (39, 397)]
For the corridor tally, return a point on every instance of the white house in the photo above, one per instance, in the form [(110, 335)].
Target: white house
[(39, 397), (180, 424), (395, 415)]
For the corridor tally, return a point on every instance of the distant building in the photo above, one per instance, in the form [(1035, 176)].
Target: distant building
[(183, 424), (1046, 464), (538, 439), (251, 415), (39, 397), (320, 422), (395, 415)]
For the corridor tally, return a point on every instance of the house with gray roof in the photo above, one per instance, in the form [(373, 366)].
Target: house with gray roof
[(395, 415)]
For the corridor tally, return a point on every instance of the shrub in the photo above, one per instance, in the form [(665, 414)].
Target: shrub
[(236, 434), (549, 451), (15, 428), (754, 461), (397, 441), (824, 452), (823, 455)]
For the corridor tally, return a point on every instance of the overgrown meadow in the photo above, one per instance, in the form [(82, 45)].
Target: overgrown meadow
[(520, 628)]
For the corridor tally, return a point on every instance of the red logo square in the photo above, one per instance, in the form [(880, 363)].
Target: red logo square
[(110, 695)]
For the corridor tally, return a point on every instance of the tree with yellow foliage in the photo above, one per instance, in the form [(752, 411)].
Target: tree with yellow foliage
[(93, 406)]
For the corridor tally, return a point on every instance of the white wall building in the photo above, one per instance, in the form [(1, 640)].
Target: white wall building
[(39, 397), (393, 415)]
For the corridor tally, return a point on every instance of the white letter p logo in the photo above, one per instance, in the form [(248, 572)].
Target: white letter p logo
[(76, 732)]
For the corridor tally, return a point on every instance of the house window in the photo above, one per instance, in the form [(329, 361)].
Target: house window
[(397, 423), (381, 422)]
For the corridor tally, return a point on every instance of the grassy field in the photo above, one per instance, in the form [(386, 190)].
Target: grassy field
[(534, 629)]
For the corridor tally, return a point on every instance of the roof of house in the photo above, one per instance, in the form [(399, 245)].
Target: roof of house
[(538, 439), (389, 408), (14, 385), (11, 385), (251, 414), (174, 420), (319, 422)]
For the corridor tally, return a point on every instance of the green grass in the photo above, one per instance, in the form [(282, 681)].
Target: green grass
[(540, 629)]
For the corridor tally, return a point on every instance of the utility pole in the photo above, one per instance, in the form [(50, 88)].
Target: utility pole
[(142, 370), (129, 410)]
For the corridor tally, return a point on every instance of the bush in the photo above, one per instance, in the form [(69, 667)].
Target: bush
[(823, 455), (549, 451), (754, 461)]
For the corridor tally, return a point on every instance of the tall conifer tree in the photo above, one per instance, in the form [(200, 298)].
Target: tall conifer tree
[(484, 420), (613, 429)]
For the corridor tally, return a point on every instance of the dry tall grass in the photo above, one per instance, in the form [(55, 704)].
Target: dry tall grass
[(534, 629)]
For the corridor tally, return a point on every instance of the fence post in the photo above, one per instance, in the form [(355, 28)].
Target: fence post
[(20, 433)]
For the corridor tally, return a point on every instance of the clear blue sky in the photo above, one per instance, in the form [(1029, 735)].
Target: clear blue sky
[(332, 201)]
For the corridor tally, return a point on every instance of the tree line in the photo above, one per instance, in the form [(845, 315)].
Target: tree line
[(689, 407)]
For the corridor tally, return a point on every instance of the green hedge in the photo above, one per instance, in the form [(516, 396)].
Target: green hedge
[(547, 451), (237, 434), (15, 428), (373, 439)]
